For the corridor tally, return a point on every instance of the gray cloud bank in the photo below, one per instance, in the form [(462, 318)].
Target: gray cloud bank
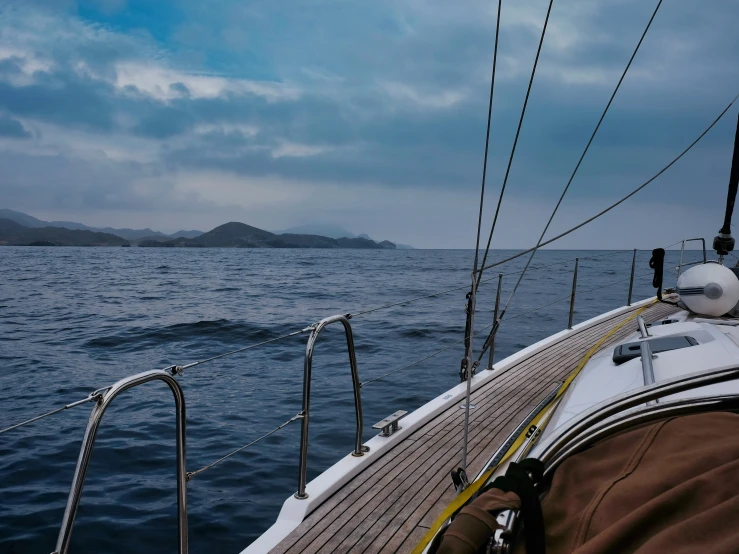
[(367, 116)]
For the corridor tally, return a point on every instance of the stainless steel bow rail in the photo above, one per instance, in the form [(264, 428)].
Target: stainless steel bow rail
[(102, 401), (103, 398), (359, 450), (682, 251)]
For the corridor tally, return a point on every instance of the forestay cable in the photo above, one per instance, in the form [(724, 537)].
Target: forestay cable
[(487, 135), (515, 140), (465, 368), (625, 198), (496, 326)]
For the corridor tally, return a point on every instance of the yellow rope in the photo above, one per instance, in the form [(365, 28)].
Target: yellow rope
[(467, 493)]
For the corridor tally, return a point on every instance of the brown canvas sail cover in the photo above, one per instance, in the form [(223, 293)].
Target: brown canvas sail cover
[(668, 487)]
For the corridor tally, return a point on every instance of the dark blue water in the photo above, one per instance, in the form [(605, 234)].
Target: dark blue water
[(76, 319)]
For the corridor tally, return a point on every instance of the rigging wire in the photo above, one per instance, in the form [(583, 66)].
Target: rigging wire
[(515, 140), (625, 198), (176, 369), (451, 345), (487, 135), (514, 316), (401, 303), (244, 349), (580, 291), (496, 326), (96, 394), (583, 258), (51, 413), (446, 291), (399, 369), (191, 474)]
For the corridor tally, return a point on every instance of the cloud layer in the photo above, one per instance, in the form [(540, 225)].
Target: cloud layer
[(370, 115)]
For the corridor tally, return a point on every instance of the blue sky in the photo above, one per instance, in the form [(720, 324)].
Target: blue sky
[(371, 115)]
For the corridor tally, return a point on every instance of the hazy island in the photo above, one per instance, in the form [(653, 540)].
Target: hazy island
[(18, 229)]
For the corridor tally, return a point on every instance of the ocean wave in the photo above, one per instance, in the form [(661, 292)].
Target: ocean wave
[(207, 331)]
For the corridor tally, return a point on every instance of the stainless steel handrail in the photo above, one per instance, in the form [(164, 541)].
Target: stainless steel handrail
[(359, 450), (642, 327), (682, 249), (88, 441), (647, 368)]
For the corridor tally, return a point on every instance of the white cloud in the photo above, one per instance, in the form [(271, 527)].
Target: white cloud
[(242, 129), (27, 61), (439, 99), (229, 190), (359, 95), (291, 149), (161, 82), (25, 34), (404, 215)]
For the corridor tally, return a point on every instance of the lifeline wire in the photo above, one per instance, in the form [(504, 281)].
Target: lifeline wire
[(514, 316), (584, 258), (515, 140), (599, 287), (191, 474), (174, 369), (47, 414), (439, 293), (625, 198), (451, 344), (232, 352)]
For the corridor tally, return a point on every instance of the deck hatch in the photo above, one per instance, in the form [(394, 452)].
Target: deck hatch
[(625, 352)]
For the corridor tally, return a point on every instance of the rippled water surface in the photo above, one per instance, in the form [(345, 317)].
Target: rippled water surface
[(76, 319)]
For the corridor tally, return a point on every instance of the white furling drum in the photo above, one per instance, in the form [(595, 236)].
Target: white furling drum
[(709, 289)]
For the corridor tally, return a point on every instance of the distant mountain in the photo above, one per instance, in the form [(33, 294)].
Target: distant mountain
[(129, 234), (240, 235), (186, 234), (19, 217), (332, 231), (20, 228), (15, 234), (320, 229)]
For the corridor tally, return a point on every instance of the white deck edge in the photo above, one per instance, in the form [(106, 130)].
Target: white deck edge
[(294, 511)]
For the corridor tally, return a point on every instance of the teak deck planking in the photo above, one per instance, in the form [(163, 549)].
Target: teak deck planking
[(390, 505)]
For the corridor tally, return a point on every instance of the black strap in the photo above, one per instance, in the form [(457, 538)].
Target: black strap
[(521, 478), (657, 263)]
